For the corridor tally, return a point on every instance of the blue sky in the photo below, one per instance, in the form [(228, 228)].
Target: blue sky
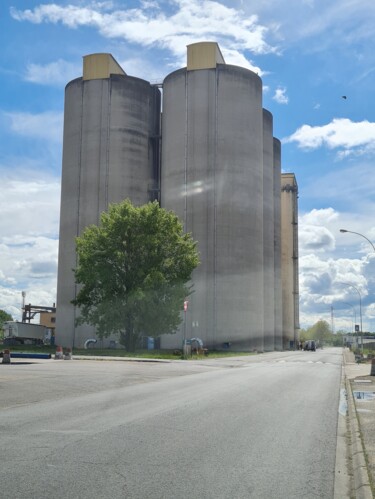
[(309, 53)]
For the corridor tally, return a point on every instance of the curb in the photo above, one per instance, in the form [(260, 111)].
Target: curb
[(362, 487), (121, 359)]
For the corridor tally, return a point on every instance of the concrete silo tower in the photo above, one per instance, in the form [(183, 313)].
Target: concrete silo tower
[(289, 262), (110, 153), (268, 232), (212, 177), (277, 238)]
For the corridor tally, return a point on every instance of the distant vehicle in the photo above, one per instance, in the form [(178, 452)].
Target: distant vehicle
[(310, 345), (24, 333)]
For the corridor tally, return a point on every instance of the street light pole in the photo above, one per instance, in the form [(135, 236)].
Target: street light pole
[(359, 234), (360, 309), (360, 300)]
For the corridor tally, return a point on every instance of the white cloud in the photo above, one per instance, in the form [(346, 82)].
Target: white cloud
[(326, 282), (29, 239), (319, 216), (54, 73), (329, 278), (349, 20), (31, 205), (238, 59), (348, 136), (316, 238), (188, 22), (280, 96), (45, 126), (313, 233)]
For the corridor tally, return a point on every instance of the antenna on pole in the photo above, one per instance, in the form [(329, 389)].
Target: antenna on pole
[(332, 321)]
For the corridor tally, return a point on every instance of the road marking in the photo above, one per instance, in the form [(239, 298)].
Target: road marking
[(64, 431)]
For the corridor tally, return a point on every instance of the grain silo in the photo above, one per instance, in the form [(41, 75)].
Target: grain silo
[(212, 177), (289, 259), (277, 238), (268, 232), (110, 153)]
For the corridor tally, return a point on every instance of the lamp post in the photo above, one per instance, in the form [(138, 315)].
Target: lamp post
[(358, 234), (360, 309), (373, 247)]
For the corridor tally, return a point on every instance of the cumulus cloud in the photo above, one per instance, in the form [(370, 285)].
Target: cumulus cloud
[(329, 277), (54, 73), (316, 238), (28, 239), (352, 21), (343, 134), (327, 282), (313, 231), (280, 96), (187, 22), (31, 206), (237, 59), (44, 126)]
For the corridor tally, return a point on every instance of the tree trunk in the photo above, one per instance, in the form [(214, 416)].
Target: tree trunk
[(130, 342), (129, 338)]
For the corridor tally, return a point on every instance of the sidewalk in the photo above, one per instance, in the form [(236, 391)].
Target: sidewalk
[(361, 407)]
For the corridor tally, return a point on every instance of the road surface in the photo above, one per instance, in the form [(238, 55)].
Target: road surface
[(251, 427)]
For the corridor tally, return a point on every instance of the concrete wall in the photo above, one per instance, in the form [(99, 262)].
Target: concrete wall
[(99, 66), (268, 232), (221, 174), (212, 177), (111, 130), (203, 55), (289, 256), (278, 321)]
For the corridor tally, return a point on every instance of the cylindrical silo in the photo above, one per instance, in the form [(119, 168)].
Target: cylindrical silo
[(268, 232), (277, 230), (110, 153), (289, 259), (212, 177)]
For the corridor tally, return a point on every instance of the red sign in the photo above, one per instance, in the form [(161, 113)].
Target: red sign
[(186, 303)]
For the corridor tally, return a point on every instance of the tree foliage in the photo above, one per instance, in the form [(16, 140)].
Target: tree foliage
[(322, 333), (4, 316), (134, 270)]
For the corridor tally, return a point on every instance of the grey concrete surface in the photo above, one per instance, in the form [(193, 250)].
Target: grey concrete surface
[(269, 213), (110, 153), (361, 424), (246, 427), (212, 177), (278, 321)]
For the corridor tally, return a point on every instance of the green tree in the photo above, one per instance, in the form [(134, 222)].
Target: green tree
[(4, 316), (134, 270), (320, 331)]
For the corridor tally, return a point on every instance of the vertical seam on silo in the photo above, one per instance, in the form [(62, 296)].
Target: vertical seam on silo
[(186, 149), (100, 152), (78, 206), (158, 105), (185, 167), (106, 195), (215, 201), (295, 260)]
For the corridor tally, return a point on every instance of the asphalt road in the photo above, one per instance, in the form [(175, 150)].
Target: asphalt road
[(250, 427)]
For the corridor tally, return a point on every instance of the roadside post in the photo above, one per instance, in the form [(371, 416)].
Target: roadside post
[(59, 353), (6, 357)]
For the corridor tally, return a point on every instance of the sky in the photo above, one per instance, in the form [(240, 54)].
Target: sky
[(317, 63)]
